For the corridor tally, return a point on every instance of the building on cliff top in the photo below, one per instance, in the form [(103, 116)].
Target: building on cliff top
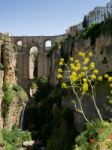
[(97, 15)]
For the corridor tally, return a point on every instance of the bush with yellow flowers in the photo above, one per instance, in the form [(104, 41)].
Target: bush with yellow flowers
[(81, 75)]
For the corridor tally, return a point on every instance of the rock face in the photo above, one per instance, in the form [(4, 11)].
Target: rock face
[(7, 75), (1, 85), (1, 97), (9, 61), (15, 109), (28, 144), (102, 51)]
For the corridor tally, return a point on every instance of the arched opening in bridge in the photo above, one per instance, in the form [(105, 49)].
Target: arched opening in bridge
[(48, 45), (19, 45), (33, 62)]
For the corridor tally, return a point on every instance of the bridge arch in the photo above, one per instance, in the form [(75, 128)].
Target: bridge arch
[(47, 45), (19, 43), (23, 57), (33, 62)]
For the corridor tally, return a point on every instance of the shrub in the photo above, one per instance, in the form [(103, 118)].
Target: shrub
[(13, 139), (63, 132), (20, 91), (8, 97), (96, 137), (34, 86)]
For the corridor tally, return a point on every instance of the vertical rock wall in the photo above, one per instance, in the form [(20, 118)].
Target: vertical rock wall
[(7, 74), (9, 61)]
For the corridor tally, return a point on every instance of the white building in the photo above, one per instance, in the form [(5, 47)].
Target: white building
[(80, 26), (98, 15), (108, 8)]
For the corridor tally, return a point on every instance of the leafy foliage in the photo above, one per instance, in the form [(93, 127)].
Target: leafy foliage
[(8, 97), (96, 137), (13, 139), (95, 30), (85, 22), (20, 92)]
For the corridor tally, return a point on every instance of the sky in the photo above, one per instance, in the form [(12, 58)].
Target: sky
[(43, 17)]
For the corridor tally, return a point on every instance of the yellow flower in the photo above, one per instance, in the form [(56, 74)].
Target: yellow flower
[(60, 70), (64, 85), (76, 61), (62, 59), (78, 110), (100, 78), (82, 54), (93, 77), (79, 76), (85, 68), (73, 78), (106, 124), (110, 85), (90, 54), (109, 79), (96, 71), (86, 60), (106, 76), (73, 67), (59, 76), (61, 63), (82, 74), (92, 65), (71, 58), (74, 73), (85, 87), (84, 80), (78, 65)]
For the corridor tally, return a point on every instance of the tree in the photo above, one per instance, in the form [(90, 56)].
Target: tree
[(81, 76), (85, 22)]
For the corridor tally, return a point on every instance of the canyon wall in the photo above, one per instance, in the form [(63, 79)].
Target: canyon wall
[(11, 99)]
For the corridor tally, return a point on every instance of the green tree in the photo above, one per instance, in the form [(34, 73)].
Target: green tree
[(85, 22)]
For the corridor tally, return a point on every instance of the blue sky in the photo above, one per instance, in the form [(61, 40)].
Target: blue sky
[(43, 17)]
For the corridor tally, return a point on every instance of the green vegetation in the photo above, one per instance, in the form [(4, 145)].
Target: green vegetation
[(34, 85), (13, 139), (85, 22), (11, 93), (97, 136), (91, 32), (96, 30), (8, 97), (54, 123), (2, 67), (56, 46), (63, 132), (20, 92)]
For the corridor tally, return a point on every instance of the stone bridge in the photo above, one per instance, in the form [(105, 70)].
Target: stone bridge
[(32, 61)]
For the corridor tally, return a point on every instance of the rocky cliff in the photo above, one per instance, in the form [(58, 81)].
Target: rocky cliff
[(11, 95), (102, 50)]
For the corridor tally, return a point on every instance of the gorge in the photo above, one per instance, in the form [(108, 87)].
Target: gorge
[(30, 94)]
